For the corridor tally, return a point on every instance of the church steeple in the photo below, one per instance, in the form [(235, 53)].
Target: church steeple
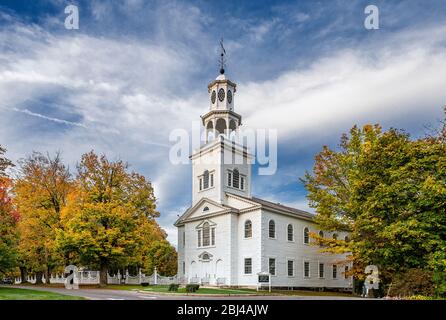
[(222, 164), (221, 118)]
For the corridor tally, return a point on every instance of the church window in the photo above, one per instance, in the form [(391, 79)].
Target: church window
[(248, 265), (212, 179), (272, 266), (230, 179), (290, 266), (205, 256), (335, 236), (206, 234), (346, 272), (321, 270), (290, 232), (335, 271), (346, 239), (221, 94), (199, 238), (235, 178), (248, 229), (213, 236), (206, 180), (306, 236), (201, 184), (272, 229), (306, 269), (242, 183), (205, 209)]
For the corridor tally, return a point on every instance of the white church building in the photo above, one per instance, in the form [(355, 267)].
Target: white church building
[(228, 236)]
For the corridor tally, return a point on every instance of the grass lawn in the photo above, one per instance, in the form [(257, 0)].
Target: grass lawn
[(182, 290), (29, 294)]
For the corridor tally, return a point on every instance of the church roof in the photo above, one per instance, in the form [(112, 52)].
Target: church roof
[(276, 207), (279, 207)]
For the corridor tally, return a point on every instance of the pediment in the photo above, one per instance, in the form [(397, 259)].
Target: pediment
[(202, 208)]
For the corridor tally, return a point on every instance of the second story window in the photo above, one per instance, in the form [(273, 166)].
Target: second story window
[(272, 229), (306, 236), (248, 229), (290, 232), (206, 235)]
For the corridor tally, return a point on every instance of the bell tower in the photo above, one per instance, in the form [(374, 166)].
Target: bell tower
[(221, 164), (221, 118)]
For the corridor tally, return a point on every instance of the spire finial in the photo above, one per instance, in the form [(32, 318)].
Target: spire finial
[(222, 60)]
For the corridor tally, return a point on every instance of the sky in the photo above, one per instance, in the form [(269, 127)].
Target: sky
[(136, 70)]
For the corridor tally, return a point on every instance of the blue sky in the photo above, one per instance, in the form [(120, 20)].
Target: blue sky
[(137, 69)]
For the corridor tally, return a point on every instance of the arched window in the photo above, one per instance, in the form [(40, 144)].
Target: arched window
[(306, 235), (335, 236), (205, 256), (205, 209), (210, 131), (347, 239), (290, 232), (206, 234), (206, 179), (272, 229), (346, 272), (235, 178), (232, 125), (248, 229), (220, 126)]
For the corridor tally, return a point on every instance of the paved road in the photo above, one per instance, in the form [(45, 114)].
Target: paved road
[(109, 294)]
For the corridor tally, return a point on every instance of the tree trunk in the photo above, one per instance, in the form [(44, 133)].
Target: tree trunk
[(23, 275), (39, 276), (47, 275), (103, 275)]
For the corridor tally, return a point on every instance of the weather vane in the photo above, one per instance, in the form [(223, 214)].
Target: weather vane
[(222, 60)]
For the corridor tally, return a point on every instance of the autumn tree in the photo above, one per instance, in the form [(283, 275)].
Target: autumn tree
[(389, 192), (8, 219), (41, 192), (163, 256), (109, 216)]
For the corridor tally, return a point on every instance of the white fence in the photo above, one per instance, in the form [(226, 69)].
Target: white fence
[(92, 277)]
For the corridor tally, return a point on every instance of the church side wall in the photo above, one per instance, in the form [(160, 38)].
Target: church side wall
[(283, 250)]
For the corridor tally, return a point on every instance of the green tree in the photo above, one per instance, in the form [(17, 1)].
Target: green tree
[(109, 216), (163, 256), (389, 192)]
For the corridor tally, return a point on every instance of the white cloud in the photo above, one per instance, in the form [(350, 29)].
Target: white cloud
[(393, 82)]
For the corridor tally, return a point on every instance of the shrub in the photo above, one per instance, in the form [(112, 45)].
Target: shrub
[(413, 282), (439, 279), (145, 284), (173, 287), (190, 288)]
